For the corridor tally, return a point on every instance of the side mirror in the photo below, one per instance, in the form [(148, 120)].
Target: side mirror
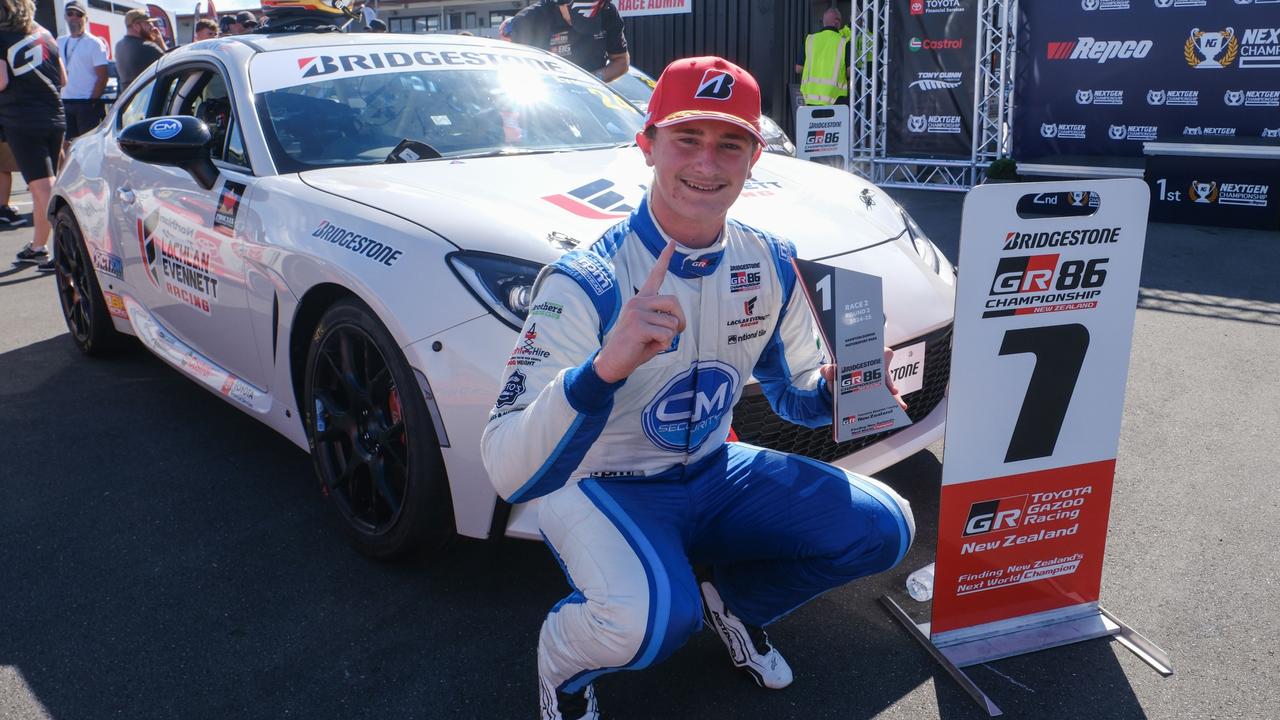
[(179, 140)]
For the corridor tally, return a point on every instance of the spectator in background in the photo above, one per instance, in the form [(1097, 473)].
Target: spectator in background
[(206, 29), (226, 25), (246, 22), (142, 45), (589, 34), (9, 216), (31, 114), (377, 26), (85, 59)]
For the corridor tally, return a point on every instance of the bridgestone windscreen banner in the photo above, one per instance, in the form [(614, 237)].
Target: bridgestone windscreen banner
[(931, 77), (1100, 77), (1043, 327)]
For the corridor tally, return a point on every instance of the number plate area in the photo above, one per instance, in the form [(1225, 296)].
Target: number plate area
[(907, 368)]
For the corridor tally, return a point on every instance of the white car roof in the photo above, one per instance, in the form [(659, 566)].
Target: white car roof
[(296, 41)]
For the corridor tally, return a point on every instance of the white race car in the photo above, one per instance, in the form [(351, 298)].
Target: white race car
[(338, 234)]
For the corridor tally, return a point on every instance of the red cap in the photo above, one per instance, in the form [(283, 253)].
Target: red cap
[(706, 88)]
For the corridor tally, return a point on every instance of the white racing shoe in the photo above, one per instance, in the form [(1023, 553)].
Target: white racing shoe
[(748, 645), (556, 705)]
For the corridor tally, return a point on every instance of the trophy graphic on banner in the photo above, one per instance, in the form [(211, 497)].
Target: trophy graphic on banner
[(1203, 49), (1204, 192)]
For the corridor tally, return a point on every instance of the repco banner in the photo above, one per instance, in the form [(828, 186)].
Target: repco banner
[(931, 73), (1112, 74), (1044, 322)]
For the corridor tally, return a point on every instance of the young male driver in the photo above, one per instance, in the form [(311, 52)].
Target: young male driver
[(618, 399)]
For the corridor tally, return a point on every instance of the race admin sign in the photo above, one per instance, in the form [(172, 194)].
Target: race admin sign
[(822, 134), (639, 8), (1044, 323)]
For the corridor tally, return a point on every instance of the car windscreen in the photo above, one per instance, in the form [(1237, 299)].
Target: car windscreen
[(634, 87), (355, 108)]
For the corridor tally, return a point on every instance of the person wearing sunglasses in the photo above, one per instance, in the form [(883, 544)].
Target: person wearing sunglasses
[(85, 59)]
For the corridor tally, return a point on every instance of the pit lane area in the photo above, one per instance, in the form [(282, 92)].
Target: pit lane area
[(167, 557)]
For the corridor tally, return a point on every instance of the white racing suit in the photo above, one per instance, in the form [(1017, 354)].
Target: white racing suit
[(637, 478)]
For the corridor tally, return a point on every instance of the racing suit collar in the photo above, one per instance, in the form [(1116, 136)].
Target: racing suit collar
[(686, 262)]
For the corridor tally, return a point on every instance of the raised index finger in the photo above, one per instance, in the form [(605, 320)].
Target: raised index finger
[(653, 283)]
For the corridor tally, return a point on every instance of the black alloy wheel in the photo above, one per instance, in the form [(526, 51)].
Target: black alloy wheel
[(372, 440), (83, 305)]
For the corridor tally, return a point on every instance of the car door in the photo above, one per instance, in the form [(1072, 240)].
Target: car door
[(188, 254), (116, 169)]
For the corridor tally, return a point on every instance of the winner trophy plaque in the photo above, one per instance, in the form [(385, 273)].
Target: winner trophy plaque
[(849, 308)]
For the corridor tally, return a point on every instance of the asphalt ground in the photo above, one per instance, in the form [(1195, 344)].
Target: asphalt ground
[(164, 556)]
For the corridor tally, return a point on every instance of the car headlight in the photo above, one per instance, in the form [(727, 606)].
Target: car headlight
[(502, 284), (925, 248)]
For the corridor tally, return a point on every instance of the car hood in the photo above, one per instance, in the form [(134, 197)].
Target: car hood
[(512, 205)]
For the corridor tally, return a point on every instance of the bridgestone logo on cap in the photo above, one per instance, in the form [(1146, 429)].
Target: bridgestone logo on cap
[(715, 85)]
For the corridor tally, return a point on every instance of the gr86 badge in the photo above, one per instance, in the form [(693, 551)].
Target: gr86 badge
[(744, 278), (1040, 283), (822, 138)]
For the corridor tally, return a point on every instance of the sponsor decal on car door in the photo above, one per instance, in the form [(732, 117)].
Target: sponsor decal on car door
[(190, 244)]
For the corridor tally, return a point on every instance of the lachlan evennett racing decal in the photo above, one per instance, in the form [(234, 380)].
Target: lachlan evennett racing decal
[(174, 263)]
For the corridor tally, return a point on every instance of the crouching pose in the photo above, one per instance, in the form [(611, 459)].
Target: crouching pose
[(617, 402)]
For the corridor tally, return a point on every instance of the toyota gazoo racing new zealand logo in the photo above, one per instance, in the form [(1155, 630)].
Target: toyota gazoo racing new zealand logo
[(689, 408), (1030, 284), (1034, 511)]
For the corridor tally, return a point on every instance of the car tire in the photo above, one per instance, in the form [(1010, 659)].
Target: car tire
[(374, 447), (84, 307)]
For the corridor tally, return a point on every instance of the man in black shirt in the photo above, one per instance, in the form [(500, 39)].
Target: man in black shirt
[(587, 33), (142, 46), (31, 116)]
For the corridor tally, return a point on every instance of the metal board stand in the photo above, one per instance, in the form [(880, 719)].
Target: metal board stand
[(1018, 636)]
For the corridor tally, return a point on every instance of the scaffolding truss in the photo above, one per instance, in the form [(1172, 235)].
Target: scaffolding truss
[(994, 61)]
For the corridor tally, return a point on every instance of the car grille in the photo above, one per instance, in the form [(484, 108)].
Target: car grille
[(755, 422)]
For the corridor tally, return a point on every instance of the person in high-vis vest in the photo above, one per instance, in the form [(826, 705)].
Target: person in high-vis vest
[(824, 67)]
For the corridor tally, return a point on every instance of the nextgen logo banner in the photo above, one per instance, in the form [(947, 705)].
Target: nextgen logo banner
[(1230, 192), (1129, 72)]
